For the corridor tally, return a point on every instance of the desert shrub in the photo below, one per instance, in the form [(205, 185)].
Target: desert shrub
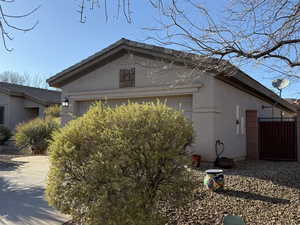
[(117, 166), (53, 111), (5, 134), (36, 134)]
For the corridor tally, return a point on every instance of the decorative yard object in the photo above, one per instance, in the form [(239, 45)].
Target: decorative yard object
[(222, 162), (214, 179), (196, 159)]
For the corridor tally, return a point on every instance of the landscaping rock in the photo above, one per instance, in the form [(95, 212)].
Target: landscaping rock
[(261, 192)]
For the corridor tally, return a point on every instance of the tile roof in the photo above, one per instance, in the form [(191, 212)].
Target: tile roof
[(238, 76), (39, 95)]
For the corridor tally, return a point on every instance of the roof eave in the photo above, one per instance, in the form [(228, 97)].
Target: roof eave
[(54, 80), (245, 83), (167, 54)]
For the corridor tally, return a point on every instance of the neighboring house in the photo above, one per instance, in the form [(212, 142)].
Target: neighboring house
[(216, 104), (21, 103)]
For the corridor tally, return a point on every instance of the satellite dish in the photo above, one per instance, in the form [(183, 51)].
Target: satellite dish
[(280, 83)]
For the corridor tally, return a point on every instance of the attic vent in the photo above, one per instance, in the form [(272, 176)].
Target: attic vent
[(127, 78)]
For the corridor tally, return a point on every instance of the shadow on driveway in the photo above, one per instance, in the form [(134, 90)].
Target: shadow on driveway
[(22, 192), (10, 165), (25, 206)]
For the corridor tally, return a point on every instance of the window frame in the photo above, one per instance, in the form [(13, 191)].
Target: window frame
[(127, 78)]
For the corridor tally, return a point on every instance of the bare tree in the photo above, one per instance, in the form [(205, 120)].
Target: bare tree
[(121, 6), (7, 25), (261, 31), (264, 31), (26, 79)]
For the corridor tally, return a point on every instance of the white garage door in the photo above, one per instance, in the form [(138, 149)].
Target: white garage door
[(178, 102)]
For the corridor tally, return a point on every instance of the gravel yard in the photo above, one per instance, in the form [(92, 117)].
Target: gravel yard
[(262, 192)]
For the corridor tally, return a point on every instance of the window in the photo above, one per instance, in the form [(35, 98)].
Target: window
[(127, 78), (1, 114)]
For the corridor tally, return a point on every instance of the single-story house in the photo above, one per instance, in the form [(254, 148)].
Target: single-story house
[(20, 103), (217, 103)]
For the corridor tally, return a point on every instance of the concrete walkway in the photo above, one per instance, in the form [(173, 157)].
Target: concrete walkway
[(22, 187)]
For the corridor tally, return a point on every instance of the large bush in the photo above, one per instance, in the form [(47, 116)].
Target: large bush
[(36, 134), (53, 111), (119, 166), (5, 134)]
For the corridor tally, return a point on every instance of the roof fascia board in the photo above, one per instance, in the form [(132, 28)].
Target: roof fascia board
[(244, 78), (10, 93), (67, 75), (237, 83), (94, 62)]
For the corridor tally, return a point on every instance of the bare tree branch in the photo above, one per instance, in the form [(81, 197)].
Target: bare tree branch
[(7, 27), (262, 30), (26, 79)]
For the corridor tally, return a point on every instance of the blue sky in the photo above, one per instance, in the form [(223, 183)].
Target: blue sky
[(60, 40)]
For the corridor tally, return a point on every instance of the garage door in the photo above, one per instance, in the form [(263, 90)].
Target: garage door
[(178, 102)]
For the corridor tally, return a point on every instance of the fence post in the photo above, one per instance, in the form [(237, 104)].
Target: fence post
[(298, 133)]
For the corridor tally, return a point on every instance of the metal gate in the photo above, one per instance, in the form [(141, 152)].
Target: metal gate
[(278, 139)]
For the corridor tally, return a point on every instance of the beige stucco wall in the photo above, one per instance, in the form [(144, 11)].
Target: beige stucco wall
[(14, 110), (212, 104), (230, 100), (21, 110), (17, 111), (4, 101), (154, 79), (149, 73)]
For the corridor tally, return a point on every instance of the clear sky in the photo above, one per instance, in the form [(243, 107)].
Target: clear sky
[(60, 40)]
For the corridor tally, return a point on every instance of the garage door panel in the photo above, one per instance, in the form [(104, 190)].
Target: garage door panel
[(177, 102)]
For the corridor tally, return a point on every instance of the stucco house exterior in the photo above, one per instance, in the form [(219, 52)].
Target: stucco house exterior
[(216, 103), (20, 103)]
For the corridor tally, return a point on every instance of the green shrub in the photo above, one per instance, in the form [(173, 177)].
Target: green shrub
[(5, 134), (36, 134), (53, 111), (116, 166)]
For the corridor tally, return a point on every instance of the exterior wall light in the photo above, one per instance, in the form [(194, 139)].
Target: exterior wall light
[(65, 102)]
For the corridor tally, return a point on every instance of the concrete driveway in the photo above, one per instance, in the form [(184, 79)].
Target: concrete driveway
[(22, 189)]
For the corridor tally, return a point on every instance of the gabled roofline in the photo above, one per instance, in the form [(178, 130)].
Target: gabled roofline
[(56, 78), (238, 78), (126, 46), (249, 85)]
